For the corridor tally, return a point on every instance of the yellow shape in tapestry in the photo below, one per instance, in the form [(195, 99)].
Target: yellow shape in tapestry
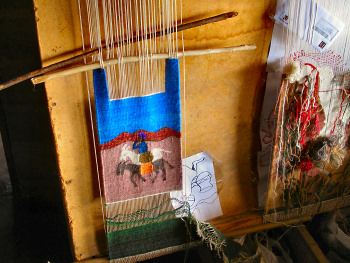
[(146, 157)]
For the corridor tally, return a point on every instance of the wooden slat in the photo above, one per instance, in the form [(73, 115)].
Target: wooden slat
[(94, 260), (304, 247)]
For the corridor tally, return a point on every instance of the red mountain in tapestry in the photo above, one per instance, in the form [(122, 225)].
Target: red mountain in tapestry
[(151, 136)]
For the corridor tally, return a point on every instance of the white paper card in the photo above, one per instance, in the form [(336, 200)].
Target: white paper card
[(315, 24), (199, 187), (326, 29)]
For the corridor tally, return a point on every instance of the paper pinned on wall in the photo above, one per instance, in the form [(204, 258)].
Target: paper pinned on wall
[(199, 187), (316, 25)]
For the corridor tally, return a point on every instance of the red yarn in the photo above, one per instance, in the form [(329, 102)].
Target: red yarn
[(305, 166), (308, 113)]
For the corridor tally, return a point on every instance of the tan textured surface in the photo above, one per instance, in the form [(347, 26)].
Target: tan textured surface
[(223, 99), (59, 33), (224, 95)]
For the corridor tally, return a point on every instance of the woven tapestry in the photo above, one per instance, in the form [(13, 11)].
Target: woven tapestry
[(140, 139)]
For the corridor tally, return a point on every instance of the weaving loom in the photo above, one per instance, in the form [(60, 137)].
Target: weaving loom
[(134, 118), (139, 129), (309, 166), (225, 78), (224, 130)]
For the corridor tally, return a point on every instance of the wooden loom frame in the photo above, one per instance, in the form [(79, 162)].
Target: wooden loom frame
[(274, 213), (242, 217)]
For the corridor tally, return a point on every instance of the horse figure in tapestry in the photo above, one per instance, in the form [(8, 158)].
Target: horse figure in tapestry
[(134, 169), (159, 165)]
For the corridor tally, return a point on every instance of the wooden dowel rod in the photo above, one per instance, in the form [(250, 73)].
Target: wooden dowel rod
[(258, 228), (109, 62), (92, 52)]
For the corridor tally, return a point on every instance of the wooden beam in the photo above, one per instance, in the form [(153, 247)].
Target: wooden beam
[(95, 51), (131, 59)]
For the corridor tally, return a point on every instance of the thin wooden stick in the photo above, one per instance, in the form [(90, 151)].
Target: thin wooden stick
[(262, 227), (92, 52), (109, 62)]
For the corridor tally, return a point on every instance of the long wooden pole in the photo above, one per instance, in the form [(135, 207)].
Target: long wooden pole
[(95, 51), (88, 67)]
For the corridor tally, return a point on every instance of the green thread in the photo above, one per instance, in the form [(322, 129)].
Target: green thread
[(149, 237), (141, 211), (143, 220), (142, 215), (145, 230)]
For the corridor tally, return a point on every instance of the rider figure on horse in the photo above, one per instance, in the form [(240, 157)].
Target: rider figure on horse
[(145, 156)]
